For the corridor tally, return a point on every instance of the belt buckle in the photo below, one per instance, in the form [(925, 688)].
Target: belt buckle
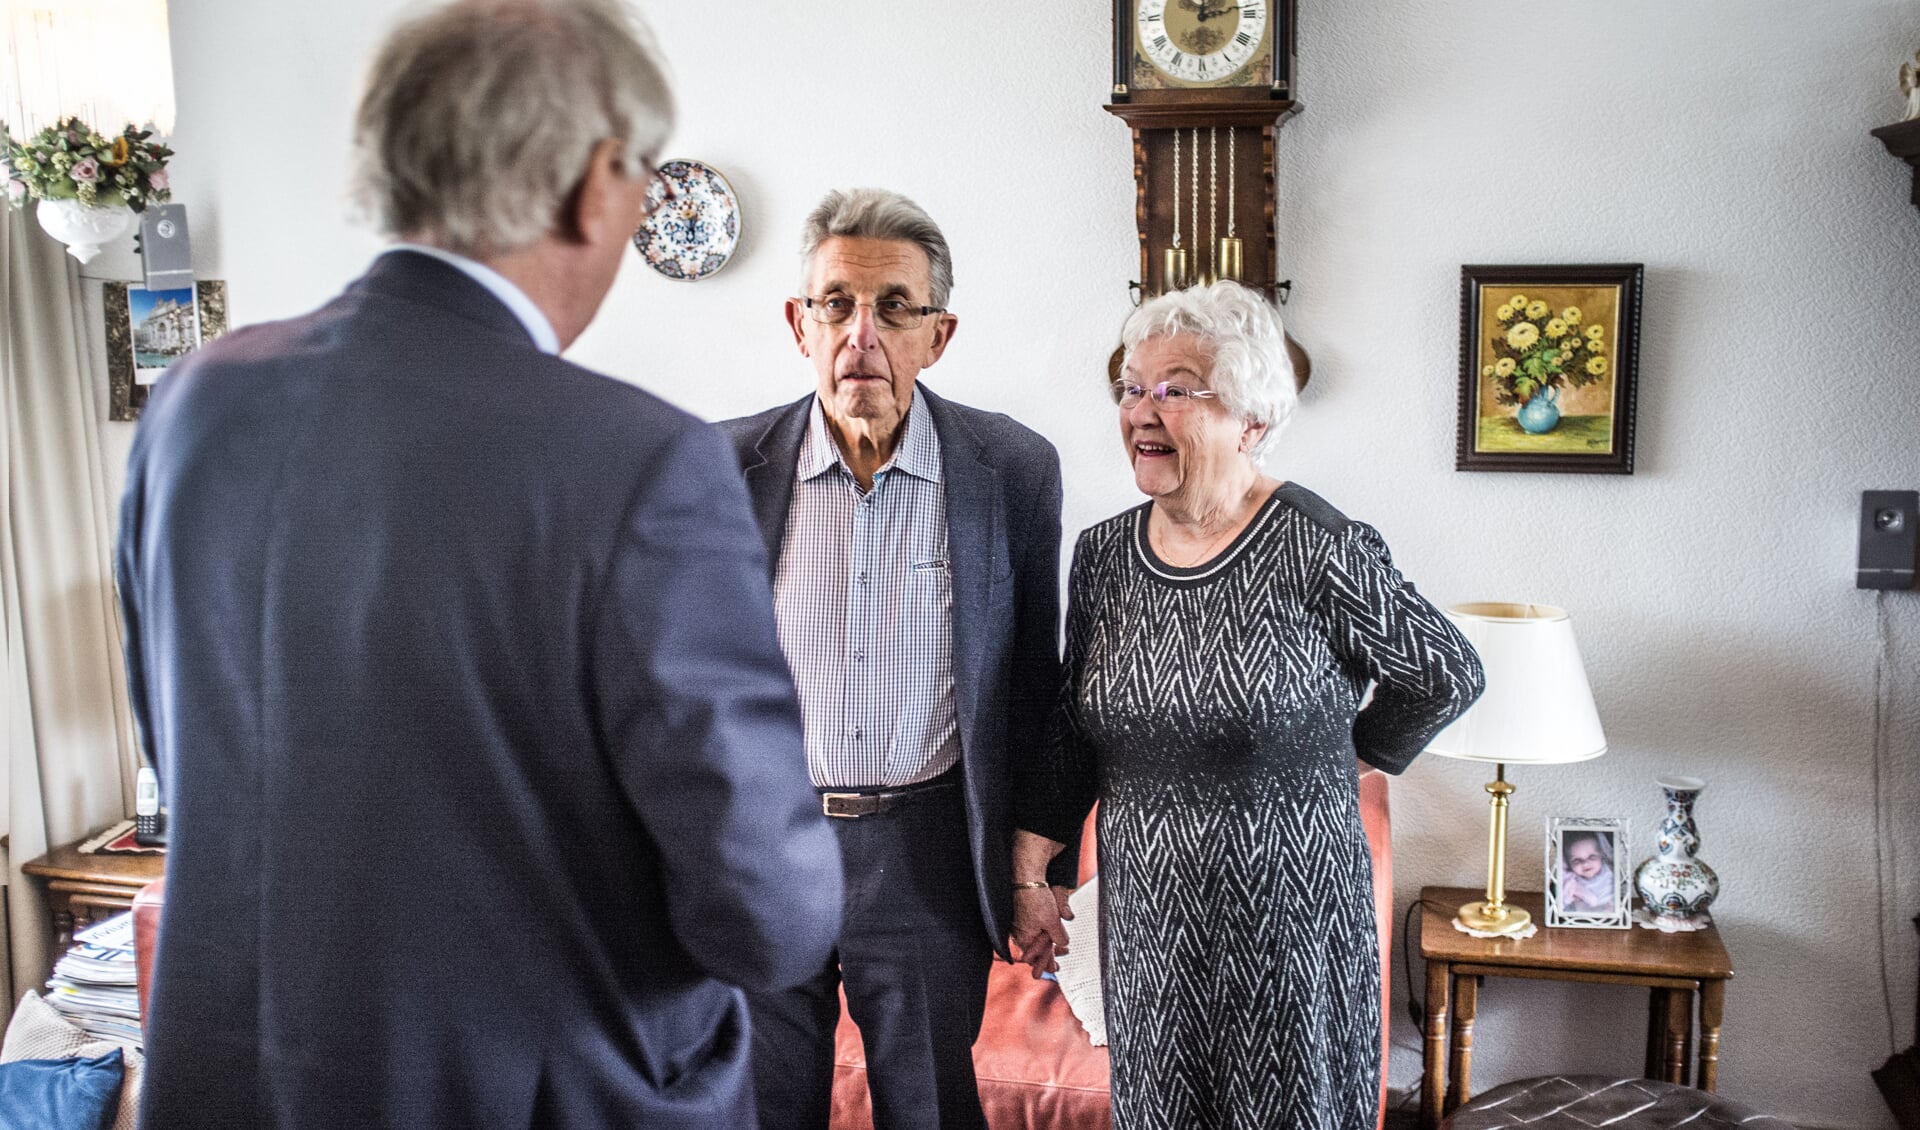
[(827, 805)]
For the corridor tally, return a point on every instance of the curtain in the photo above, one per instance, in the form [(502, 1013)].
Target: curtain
[(68, 758)]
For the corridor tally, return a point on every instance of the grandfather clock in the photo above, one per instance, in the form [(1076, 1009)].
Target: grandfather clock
[(1204, 85)]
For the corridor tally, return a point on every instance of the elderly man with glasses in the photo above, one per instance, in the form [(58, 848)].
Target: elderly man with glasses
[(915, 547)]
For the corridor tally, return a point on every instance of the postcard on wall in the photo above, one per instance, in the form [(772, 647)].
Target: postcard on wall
[(165, 327), (148, 331)]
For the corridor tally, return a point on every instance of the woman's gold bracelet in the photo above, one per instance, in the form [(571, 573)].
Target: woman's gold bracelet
[(1037, 886)]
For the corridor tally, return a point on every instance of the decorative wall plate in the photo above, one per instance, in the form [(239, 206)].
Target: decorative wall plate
[(692, 235)]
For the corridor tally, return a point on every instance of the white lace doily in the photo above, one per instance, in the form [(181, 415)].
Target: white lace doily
[(1532, 929), (1671, 925)]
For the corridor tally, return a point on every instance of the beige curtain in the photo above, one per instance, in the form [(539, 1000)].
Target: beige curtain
[(68, 751)]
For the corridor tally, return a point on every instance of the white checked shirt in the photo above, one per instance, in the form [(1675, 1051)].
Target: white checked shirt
[(864, 600)]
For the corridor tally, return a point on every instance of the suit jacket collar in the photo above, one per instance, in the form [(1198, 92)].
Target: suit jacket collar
[(407, 277)]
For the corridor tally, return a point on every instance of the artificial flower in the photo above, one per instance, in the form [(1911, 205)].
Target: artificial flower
[(1556, 329), (1597, 366), (1504, 367), (1522, 335), (1571, 315), (1536, 309), (1504, 312), (1595, 333), (70, 161)]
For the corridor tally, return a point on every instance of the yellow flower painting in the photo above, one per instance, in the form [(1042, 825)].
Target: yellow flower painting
[(1546, 368)]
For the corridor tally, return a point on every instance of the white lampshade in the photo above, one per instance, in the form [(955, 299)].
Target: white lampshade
[(106, 62), (1538, 708)]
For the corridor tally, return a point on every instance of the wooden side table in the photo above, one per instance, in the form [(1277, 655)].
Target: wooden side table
[(1677, 968), (82, 889)]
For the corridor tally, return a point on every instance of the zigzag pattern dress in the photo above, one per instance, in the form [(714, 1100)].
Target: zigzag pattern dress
[(1218, 710)]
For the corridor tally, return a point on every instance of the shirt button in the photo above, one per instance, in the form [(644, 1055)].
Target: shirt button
[(859, 657), (863, 576), (856, 733)]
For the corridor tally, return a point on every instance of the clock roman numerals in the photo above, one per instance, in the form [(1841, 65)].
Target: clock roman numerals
[(1195, 45)]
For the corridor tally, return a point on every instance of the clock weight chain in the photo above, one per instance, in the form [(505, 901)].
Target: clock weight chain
[(1231, 263), (1174, 270)]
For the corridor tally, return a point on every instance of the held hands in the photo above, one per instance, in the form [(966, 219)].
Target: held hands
[(1039, 930), (1039, 911)]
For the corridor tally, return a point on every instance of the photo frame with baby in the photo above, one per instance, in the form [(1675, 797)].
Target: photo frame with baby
[(1588, 873)]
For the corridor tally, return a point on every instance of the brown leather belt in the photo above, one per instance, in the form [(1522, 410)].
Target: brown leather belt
[(843, 805)]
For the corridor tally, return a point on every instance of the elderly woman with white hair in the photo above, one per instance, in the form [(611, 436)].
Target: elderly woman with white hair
[(1221, 638)]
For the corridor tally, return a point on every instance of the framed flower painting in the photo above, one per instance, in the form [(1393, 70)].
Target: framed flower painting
[(1548, 362)]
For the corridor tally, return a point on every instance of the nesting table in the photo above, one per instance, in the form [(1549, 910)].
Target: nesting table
[(1681, 971)]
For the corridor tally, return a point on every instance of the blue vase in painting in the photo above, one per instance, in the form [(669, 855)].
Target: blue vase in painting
[(1539, 414)]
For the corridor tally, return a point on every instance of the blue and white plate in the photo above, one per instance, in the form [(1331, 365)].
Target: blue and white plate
[(692, 235)]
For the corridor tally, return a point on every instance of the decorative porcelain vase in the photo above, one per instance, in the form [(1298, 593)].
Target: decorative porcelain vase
[(1676, 888), (1540, 413), (82, 228)]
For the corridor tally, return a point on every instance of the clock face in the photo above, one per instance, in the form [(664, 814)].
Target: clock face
[(1202, 42)]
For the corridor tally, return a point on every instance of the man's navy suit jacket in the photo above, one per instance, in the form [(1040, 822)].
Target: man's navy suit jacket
[(1003, 544), (460, 668)]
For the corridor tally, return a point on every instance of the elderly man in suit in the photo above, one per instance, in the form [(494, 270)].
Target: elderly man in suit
[(916, 547), (458, 660)]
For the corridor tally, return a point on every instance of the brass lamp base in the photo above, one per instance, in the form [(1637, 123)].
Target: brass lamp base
[(1496, 915), (1489, 918)]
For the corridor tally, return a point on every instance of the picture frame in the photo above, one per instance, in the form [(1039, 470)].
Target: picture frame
[(1548, 382), (1589, 882), (148, 330)]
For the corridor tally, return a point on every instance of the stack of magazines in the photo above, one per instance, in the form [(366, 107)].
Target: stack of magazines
[(94, 984)]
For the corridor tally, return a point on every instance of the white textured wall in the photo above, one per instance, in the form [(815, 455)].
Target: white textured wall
[(1722, 143)]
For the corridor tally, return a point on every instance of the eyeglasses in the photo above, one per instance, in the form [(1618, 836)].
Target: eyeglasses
[(1169, 396), (888, 313), (659, 189)]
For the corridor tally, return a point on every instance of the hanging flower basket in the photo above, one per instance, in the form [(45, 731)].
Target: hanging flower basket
[(88, 185)]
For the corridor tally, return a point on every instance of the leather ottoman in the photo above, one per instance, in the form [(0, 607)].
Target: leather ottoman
[(1582, 1102)]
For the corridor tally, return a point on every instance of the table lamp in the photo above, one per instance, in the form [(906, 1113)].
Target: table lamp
[(1537, 710)]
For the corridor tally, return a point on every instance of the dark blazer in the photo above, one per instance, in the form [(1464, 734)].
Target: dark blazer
[(460, 668), (1003, 540)]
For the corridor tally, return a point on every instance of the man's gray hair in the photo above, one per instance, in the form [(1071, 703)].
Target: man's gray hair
[(479, 117), (1242, 330), (875, 213)]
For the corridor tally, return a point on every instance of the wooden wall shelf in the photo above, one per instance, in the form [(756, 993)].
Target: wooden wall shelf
[(1903, 141)]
